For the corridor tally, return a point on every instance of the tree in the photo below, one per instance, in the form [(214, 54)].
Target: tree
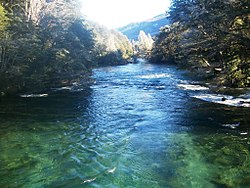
[(209, 35), (48, 42), (4, 20), (112, 47), (145, 42)]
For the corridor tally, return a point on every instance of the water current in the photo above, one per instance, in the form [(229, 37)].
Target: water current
[(137, 125)]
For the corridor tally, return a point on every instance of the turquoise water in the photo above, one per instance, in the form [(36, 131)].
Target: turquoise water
[(133, 127)]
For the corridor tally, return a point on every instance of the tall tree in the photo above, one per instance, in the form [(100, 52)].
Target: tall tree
[(145, 42), (112, 47), (48, 42), (209, 34)]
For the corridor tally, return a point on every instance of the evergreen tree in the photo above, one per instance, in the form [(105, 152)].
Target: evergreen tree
[(112, 47), (48, 42), (144, 43), (209, 36)]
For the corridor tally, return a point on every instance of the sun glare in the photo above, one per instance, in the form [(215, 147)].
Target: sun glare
[(117, 13)]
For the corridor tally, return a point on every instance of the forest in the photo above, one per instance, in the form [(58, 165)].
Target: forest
[(212, 38), (45, 44)]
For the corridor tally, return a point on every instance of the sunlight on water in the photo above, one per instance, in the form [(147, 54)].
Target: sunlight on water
[(192, 87), (124, 132), (224, 99), (155, 76)]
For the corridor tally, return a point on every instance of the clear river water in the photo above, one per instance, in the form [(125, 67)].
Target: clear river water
[(136, 125)]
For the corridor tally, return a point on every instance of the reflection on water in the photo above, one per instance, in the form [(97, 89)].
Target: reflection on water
[(135, 127)]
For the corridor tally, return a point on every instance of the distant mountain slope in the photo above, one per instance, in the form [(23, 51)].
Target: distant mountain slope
[(151, 26), (111, 46)]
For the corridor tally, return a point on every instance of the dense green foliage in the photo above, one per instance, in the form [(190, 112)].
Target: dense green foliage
[(112, 47), (212, 37), (3, 20), (38, 52), (151, 26), (46, 44)]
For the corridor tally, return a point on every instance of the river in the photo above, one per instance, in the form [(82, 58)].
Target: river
[(137, 125)]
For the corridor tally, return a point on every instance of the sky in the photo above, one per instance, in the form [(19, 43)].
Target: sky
[(117, 13)]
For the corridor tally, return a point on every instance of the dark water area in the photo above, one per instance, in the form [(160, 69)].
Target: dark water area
[(134, 127)]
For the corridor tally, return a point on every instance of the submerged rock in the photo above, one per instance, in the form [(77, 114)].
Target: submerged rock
[(223, 99)]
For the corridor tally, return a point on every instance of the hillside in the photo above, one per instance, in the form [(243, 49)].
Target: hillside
[(112, 46), (151, 26)]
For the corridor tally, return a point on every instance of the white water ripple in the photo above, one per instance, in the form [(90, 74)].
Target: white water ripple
[(224, 99), (192, 87), (150, 76), (33, 95)]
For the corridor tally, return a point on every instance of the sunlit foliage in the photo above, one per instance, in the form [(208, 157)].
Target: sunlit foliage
[(46, 44), (144, 44), (112, 47), (211, 37)]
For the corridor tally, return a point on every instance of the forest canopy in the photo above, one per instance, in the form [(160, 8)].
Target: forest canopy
[(211, 37), (45, 44)]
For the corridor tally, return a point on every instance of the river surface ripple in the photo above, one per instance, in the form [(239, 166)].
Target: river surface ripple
[(133, 127)]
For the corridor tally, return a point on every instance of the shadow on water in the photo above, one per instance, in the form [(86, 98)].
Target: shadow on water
[(39, 136), (133, 128), (215, 151)]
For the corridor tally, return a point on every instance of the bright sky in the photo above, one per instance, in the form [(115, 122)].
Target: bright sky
[(116, 13)]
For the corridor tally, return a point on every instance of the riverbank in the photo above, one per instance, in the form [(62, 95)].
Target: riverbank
[(212, 77), (42, 85)]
